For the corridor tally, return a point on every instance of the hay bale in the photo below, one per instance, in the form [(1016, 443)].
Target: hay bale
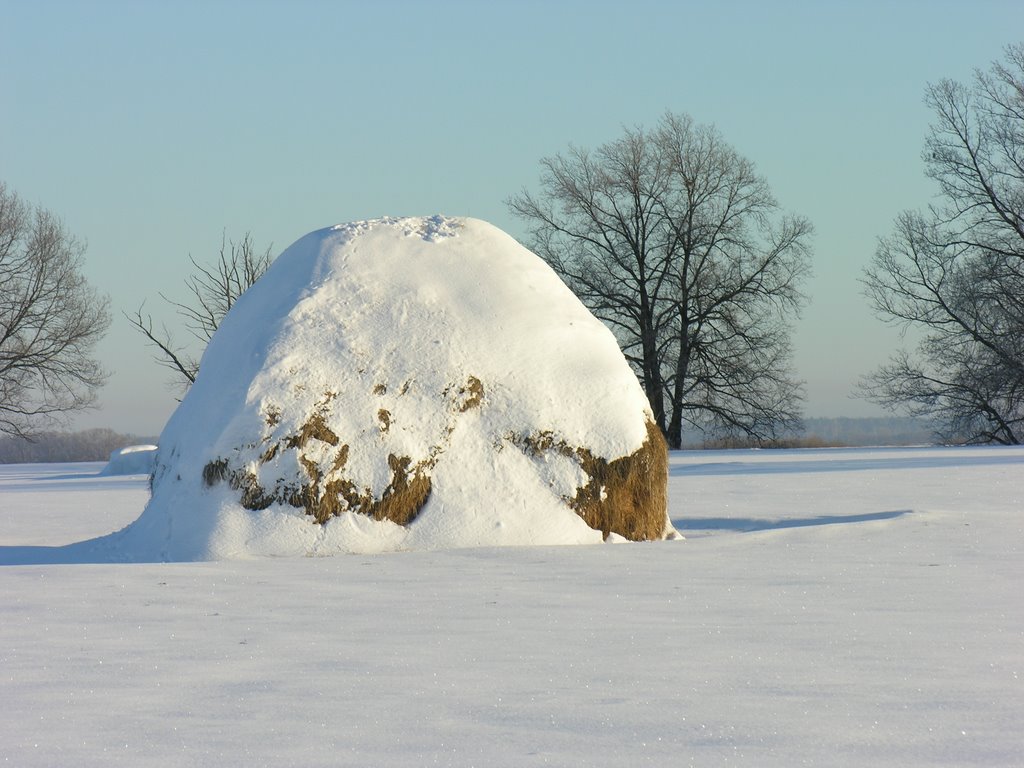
[(133, 460), (408, 383)]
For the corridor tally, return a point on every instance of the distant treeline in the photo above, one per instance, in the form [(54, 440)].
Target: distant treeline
[(835, 433), (48, 447), (869, 431)]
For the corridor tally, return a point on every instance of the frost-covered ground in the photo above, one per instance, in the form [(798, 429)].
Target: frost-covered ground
[(831, 608)]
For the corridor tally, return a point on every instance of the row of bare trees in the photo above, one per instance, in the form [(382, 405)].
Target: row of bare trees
[(47, 447), (675, 241)]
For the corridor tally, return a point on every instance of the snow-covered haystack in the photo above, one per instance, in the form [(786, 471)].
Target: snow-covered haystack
[(133, 460), (410, 383)]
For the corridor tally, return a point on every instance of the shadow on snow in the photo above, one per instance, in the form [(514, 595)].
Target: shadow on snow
[(749, 524), (101, 550)]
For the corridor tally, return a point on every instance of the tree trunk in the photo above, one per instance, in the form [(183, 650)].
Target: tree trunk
[(674, 433), (654, 387)]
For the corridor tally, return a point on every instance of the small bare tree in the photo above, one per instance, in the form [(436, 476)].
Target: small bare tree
[(50, 320), (214, 289), (673, 240), (955, 272)]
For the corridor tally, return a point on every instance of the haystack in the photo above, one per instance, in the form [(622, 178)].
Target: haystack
[(406, 384), (132, 460)]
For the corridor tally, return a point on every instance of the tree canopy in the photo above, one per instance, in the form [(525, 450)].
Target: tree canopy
[(50, 320), (953, 273), (673, 240)]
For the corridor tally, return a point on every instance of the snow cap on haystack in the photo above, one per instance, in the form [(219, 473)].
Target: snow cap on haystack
[(411, 383)]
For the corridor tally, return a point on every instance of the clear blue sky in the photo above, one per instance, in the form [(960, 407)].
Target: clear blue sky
[(152, 127)]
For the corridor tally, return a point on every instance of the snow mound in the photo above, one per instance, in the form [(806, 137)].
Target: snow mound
[(133, 460), (413, 383)]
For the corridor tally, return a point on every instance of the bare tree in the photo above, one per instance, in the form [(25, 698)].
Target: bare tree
[(214, 289), (954, 273), (50, 320), (673, 240)]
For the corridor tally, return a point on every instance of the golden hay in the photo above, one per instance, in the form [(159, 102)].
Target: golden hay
[(400, 502), (627, 496)]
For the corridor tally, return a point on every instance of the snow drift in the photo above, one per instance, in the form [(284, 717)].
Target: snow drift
[(411, 383)]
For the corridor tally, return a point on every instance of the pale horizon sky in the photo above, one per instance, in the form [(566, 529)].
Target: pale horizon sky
[(152, 128)]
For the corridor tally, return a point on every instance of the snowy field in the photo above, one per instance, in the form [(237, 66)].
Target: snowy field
[(828, 608)]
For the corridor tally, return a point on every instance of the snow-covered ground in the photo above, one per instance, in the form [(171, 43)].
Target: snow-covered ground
[(829, 608)]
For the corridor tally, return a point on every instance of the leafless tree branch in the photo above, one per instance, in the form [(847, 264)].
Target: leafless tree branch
[(214, 289)]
